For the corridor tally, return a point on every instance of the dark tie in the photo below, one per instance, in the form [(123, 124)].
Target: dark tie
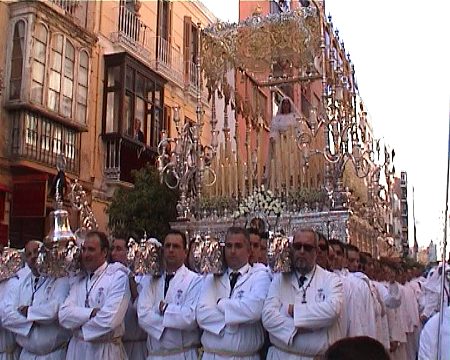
[(36, 282), (301, 281), (233, 280), (167, 282)]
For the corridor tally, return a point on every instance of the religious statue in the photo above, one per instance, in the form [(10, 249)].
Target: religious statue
[(285, 118), (283, 128)]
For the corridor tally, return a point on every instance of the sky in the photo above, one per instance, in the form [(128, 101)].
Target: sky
[(401, 53)]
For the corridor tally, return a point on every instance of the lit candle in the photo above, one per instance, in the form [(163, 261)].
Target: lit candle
[(259, 157), (235, 177), (272, 175), (222, 180)]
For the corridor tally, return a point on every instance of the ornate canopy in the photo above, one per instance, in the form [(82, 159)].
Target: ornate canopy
[(264, 47)]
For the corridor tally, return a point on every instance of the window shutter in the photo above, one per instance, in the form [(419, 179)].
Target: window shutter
[(187, 45)]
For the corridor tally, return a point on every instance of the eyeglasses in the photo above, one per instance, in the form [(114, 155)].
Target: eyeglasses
[(307, 247), (323, 247)]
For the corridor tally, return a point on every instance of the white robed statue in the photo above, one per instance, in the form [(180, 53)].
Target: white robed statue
[(286, 117), (283, 161)]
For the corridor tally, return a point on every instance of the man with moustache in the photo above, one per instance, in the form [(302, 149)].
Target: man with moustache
[(302, 309), (95, 309), (166, 305), (31, 312), (230, 305), (134, 338)]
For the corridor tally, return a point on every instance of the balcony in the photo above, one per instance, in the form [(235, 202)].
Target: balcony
[(169, 62), (40, 140), (69, 6), (123, 155), (134, 35)]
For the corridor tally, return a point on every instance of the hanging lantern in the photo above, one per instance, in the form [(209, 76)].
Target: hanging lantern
[(59, 255)]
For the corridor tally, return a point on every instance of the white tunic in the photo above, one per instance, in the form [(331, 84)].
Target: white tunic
[(428, 348), (382, 321), (134, 338), (8, 347), (431, 293), (315, 325), (398, 326), (175, 334), (39, 333), (361, 306), (99, 337), (232, 326)]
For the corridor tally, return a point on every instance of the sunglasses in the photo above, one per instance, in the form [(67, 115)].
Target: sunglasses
[(306, 247)]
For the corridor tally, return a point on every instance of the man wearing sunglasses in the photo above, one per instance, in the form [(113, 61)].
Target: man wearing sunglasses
[(302, 309)]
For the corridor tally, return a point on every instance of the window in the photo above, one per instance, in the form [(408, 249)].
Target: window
[(56, 58), (133, 106), (164, 9), (190, 50), (18, 51), (70, 145), (167, 120), (38, 138), (129, 23), (69, 70), (59, 74), (38, 65), (46, 136), (57, 140), (31, 130), (113, 86), (82, 92)]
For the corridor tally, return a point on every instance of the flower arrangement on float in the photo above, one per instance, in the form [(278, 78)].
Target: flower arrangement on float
[(260, 201)]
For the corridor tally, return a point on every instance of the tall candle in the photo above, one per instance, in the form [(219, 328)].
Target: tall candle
[(222, 180)]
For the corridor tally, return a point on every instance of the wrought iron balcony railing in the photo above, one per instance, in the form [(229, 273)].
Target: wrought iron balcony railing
[(123, 155), (135, 34), (69, 6), (169, 61), (39, 139)]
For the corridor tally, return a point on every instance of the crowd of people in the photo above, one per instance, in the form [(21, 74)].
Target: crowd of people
[(336, 303)]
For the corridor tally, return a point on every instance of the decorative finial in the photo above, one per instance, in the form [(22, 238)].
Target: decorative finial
[(59, 183)]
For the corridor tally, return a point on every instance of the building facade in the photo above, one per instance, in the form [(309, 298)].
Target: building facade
[(96, 81), (404, 212)]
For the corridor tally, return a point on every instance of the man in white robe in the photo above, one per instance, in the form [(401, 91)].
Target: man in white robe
[(96, 306), (431, 293), (390, 298), (134, 338), (397, 322), (166, 306), (230, 305), (428, 348), (9, 350), (302, 309), (8, 346), (31, 312), (364, 294), (357, 317)]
